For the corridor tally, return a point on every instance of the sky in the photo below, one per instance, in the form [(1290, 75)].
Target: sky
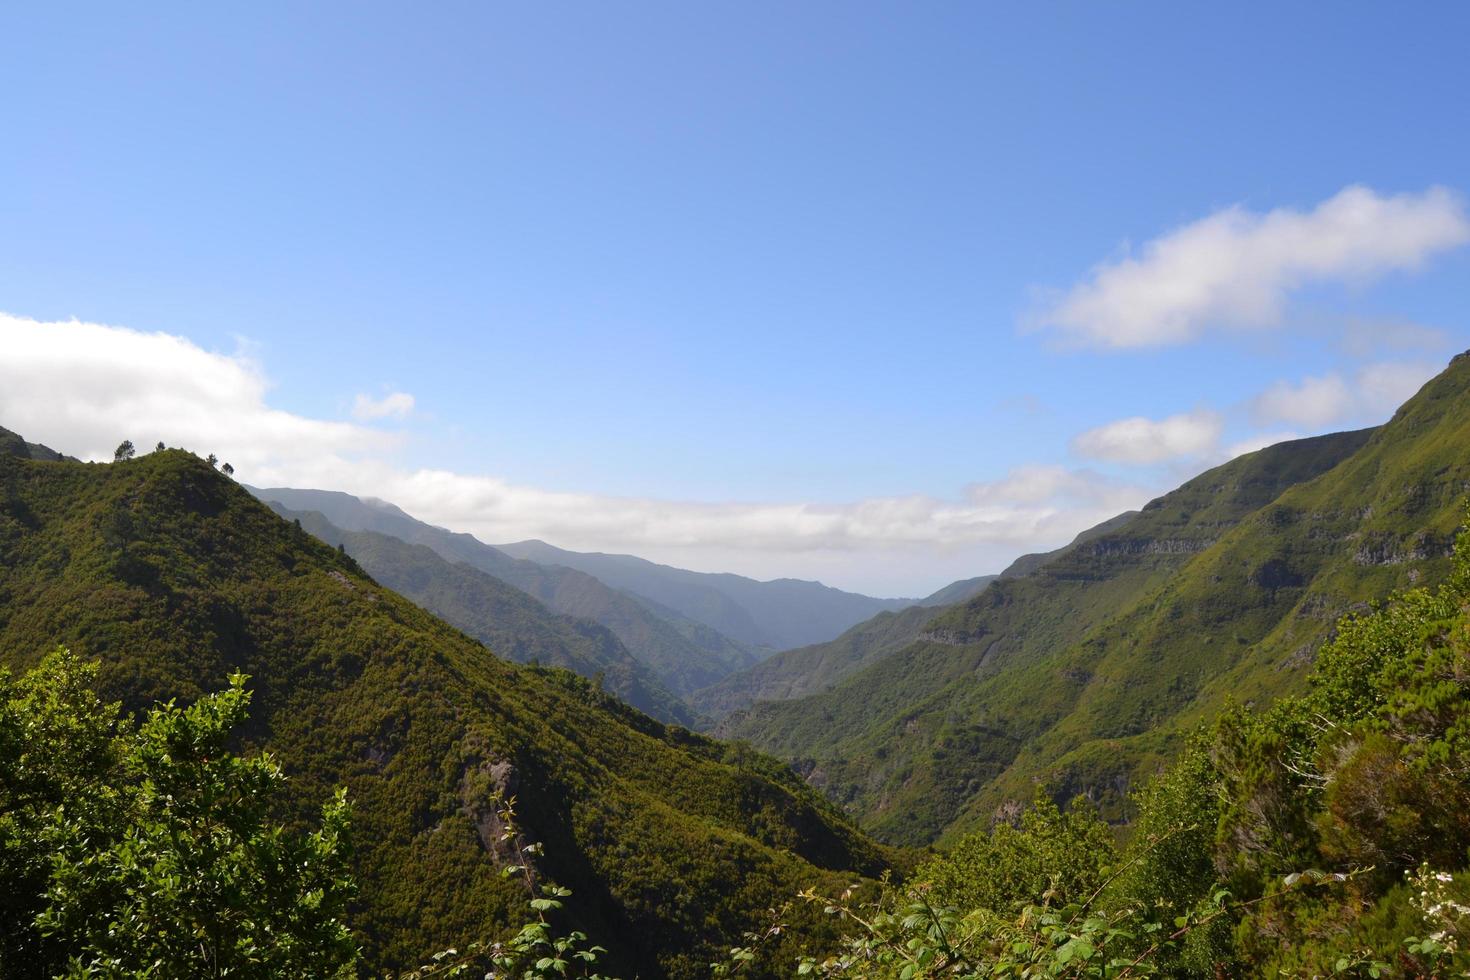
[(882, 295)]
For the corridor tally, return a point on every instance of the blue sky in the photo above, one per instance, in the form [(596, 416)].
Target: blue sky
[(720, 257)]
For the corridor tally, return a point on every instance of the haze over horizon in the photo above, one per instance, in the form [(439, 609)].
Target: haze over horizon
[(790, 317)]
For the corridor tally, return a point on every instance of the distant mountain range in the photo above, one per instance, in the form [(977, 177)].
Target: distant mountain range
[(685, 656), (12, 444), (686, 630), (808, 670), (763, 616)]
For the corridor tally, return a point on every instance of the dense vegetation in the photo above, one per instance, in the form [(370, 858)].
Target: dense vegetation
[(147, 850), (174, 579), (912, 740)]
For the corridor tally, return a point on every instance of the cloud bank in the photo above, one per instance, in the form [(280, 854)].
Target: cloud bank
[(83, 387), (1236, 268), (1143, 441), (396, 405), (1367, 395)]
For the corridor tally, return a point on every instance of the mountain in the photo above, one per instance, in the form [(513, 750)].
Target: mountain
[(808, 670), (775, 615), (966, 588), (1080, 673), (12, 444), (685, 656), (510, 622), (175, 577)]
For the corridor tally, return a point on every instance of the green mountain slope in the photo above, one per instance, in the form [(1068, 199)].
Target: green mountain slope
[(808, 670), (996, 691), (684, 658), (510, 622), (964, 589), (174, 577), (775, 615), (12, 444)]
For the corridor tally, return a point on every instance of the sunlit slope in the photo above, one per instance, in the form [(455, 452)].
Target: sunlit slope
[(911, 742), (175, 577)]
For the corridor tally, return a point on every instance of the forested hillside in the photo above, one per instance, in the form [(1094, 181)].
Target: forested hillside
[(175, 578)]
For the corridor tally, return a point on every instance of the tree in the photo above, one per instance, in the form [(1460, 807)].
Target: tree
[(227, 470), (123, 451), (160, 447), (211, 459), (125, 849)]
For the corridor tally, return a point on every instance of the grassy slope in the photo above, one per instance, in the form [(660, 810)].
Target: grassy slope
[(510, 622), (174, 577), (912, 742), (684, 659)]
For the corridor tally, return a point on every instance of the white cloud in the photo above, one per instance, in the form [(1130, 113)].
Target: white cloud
[(1368, 394), (1311, 402), (1146, 441), (82, 388), (1366, 338), (1384, 387), (1235, 267), (395, 405)]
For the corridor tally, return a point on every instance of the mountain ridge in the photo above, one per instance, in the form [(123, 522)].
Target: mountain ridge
[(682, 662), (175, 578), (928, 730), (512, 623), (808, 670), (771, 615)]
